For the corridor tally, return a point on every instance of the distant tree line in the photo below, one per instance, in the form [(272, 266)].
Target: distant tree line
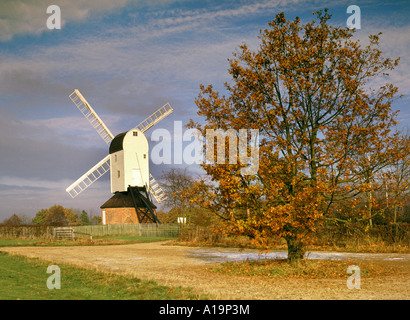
[(388, 203), (56, 215)]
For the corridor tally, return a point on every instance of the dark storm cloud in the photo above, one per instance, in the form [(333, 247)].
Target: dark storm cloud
[(31, 152)]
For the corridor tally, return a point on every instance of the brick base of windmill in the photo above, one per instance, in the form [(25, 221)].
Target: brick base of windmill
[(132, 206)]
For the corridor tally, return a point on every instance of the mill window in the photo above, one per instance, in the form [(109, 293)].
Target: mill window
[(135, 133)]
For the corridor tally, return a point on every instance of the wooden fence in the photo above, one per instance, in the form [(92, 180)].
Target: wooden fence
[(49, 232), (64, 233), (142, 230)]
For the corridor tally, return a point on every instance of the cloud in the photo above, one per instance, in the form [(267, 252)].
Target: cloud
[(118, 76), (34, 152), (206, 16), (20, 17), (34, 184), (29, 199), (394, 43), (41, 158), (132, 62)]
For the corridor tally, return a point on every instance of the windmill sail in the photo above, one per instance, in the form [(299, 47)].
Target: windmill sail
[(91, 116), (89, 177), (156, 190), (154, 118)]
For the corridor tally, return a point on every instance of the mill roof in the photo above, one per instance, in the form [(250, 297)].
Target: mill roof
[(116, 143), (123, 200)]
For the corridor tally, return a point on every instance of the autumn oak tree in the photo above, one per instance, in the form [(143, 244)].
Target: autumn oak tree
[(323, 123)]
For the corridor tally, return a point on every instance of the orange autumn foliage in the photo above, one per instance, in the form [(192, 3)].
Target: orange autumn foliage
[(322, 126)]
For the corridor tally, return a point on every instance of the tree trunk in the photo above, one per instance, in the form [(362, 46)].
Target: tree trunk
[(395, 223), (295, 249)]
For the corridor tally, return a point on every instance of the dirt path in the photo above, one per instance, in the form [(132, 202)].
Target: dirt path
[(175, 266)]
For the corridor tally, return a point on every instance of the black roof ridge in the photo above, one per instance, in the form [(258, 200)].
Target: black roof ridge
[(117, 143)]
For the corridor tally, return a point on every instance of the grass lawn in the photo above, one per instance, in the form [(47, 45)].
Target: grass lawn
[(26, 279)]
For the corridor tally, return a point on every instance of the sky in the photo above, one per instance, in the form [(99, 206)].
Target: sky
[(128, 58)]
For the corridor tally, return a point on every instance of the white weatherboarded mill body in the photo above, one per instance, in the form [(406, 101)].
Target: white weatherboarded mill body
[(129, 161)]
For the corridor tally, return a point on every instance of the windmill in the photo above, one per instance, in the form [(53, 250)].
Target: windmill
[(127, 160)]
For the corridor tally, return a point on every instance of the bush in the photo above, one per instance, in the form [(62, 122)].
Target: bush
[(26, 232)]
